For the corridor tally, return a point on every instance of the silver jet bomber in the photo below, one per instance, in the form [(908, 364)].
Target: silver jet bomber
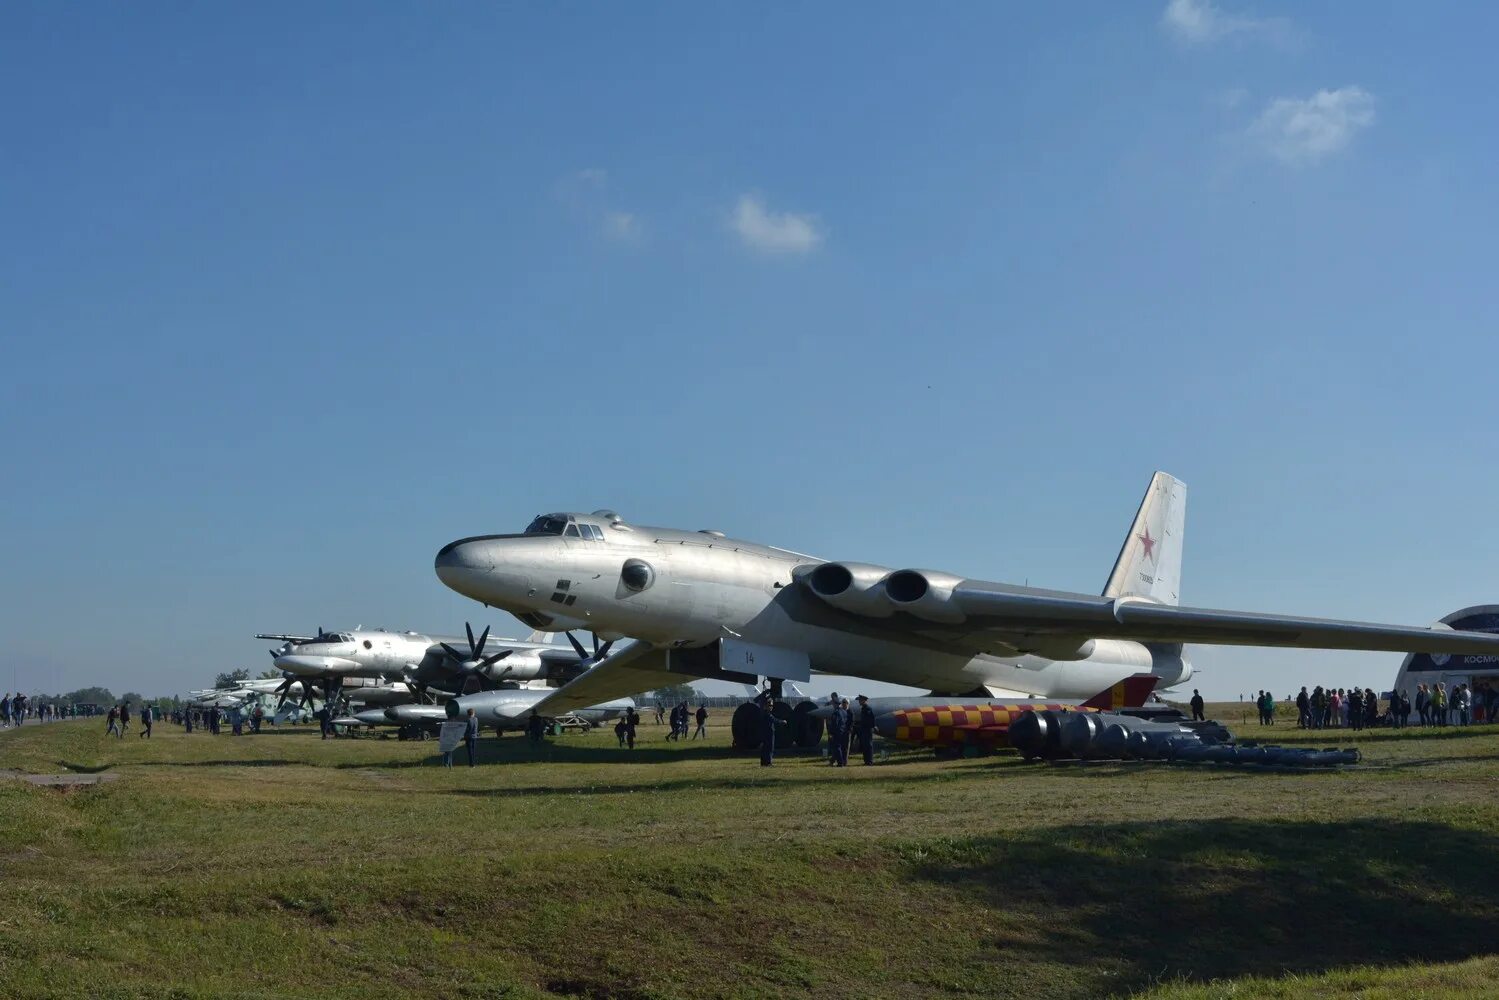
[(700, 604)]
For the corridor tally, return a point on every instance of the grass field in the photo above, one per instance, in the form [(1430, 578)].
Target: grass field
[(281, 865)]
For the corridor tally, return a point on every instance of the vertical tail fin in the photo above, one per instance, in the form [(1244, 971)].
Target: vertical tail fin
[(1150, 563), (1128, 693)]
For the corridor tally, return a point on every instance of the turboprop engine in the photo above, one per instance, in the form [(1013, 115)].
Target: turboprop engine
[(522, 665)]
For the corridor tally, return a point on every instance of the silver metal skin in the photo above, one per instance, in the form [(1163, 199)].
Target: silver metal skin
[(670, 589), (370, 717), (512, 709)]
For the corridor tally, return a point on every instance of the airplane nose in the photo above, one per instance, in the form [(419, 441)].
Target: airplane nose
[(459, 563), (471, 567), (455, 554), (464, 556), (313, 666)]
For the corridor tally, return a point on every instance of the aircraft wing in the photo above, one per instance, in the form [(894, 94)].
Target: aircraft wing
[(636, 668), (979, 615)]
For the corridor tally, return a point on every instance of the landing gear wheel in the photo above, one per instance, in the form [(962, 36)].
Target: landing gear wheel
[(785, 735), (746, 727), (806, 732)]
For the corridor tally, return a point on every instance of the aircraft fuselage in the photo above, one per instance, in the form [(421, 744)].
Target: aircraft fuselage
[(683, 588)]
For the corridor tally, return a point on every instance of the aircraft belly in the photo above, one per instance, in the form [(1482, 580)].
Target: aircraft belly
[(839, 652), (1110, 662)]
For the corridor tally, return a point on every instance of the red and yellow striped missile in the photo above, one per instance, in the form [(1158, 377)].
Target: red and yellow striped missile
[(987, 723)]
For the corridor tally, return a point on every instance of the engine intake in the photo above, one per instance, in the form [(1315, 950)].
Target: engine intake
[(925, 594), (855, 587)]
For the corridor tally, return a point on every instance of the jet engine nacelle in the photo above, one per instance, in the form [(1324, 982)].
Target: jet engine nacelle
[(925, 594), (491, 707), (855, 587)]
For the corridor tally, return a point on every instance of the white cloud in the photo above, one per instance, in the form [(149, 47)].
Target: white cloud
[(1231, 98), (585, 193), (594, 177), (1201, 22), (1300, 132), (621, 225), (774, 232)]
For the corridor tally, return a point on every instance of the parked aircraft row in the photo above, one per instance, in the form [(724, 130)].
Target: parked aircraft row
[(375, 677), (700, 605)]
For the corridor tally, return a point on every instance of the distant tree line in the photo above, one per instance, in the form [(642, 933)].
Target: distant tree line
[(671, 694), (103, 696), (232, 678)]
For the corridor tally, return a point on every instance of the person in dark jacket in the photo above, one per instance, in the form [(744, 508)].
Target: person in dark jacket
[(1197, 705), (535, 728), (838, 724), (1303, 709), (471, 737), (864, 725), (702, 723), (768, 725), (632, 720)]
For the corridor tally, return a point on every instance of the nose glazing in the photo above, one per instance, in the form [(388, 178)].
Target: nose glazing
[(464, 554)]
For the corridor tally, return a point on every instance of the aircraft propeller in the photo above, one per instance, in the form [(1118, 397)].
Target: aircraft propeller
[(599, 651), (476, 662), (284, 690)]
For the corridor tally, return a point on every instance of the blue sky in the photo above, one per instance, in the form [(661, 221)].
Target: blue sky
[(292, 296)]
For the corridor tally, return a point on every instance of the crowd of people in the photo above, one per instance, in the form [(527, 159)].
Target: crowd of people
[(1362, 708), (681, 718), (16, 708), (844, 724)]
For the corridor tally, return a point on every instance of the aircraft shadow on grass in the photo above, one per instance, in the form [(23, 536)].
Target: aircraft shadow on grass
[(1217, 899), (517, 751), (759, 781)]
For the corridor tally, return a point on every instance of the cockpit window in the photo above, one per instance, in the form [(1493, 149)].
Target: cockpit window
[(595, 531), (546, 524), (572, 531), (330, 638)]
